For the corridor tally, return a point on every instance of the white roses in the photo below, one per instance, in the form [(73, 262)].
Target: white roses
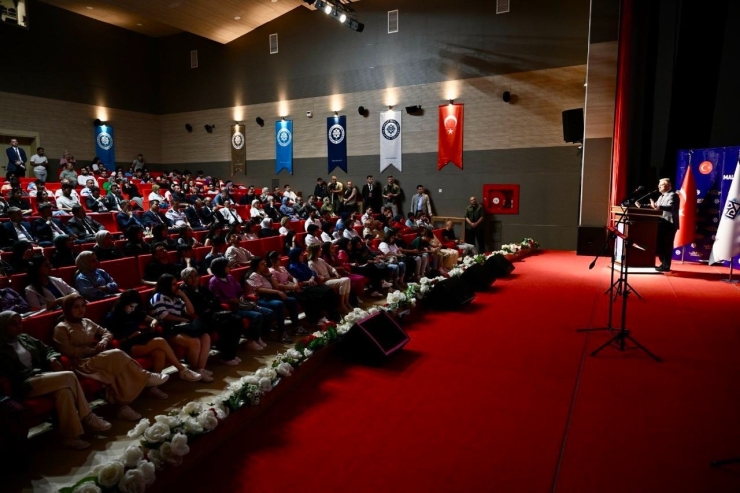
[(132, 482), (109, 474), (158, 432)]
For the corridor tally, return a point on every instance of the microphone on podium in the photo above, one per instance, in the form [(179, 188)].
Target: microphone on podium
[(630, 199)]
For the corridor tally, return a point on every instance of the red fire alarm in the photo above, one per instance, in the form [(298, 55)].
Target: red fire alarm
[(501, 199)]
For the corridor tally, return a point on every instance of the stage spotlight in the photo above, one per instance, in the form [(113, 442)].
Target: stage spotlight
[(413, 110), (98, 123), (341, 10), (260, 121), (209, 128), (328, 8), (188, 127), (342, 18)]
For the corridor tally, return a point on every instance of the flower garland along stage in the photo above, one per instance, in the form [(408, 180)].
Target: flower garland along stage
[(166, 441)]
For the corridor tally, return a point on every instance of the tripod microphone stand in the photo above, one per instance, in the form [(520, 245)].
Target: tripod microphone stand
[(622, 334), (612, 283), (620, 284)]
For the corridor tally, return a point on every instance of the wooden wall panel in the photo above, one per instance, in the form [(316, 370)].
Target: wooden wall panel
[(601, 90)]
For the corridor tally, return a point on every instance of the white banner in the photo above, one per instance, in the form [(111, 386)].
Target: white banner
[(390, 140), (727, 240)]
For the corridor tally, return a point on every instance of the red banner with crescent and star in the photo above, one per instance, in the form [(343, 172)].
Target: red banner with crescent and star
[(450, 136)]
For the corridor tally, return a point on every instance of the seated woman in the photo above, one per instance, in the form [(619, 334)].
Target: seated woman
[(216, 231), (300, 270), (21, 253), (43, 198), (327, 232), (238, 256), (208, 307), (290, 242), (172, 307), (186, 259), (327, 207), (186, 237), (155, 195), (160, 234), (252, 230), (362, 261), (135, 245), (137, 335), (314, 299), (44, 291), (337, 255), (63, 255), (256, 212), (33, 369), (260, 282), (104, 247), (284, 226), (328, 275), (446, 257), (228, 291), (93, 283), (86, 343), (16, 199)]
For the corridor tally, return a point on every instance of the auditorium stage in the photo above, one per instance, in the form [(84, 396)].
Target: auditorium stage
[(502, 396)]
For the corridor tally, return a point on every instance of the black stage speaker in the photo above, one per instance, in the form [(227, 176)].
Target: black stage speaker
[(499, 266), (573, 125), (478, 277), (590, 240), (451, 294), (374, 339)]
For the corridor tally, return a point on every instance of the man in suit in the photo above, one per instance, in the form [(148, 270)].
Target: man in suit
[(668, 203), (82, 226), (126, 218), (114, 198), (94, 202), (46, 228), (16, 229), (420, 203), (16, 160), (371, 194), (153, 216), (196, 216)]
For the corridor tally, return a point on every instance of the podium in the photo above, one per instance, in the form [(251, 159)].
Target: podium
[(641, 226)]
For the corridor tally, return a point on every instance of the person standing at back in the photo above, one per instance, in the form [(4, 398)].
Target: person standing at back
[(40, 164), (474, 225), (16, 160)]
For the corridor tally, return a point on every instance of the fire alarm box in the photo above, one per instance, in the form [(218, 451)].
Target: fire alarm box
[(501, 199)]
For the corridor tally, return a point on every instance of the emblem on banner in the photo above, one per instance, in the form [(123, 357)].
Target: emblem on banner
[(733, 206), (450, 124), (284, 137), (390, 130), (336, 134), (105, 141), (237, 140)]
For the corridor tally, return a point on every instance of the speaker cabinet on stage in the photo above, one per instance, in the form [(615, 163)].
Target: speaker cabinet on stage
[(590, 241), (478, 277), (451, 294), (499, 266), (374, 338)]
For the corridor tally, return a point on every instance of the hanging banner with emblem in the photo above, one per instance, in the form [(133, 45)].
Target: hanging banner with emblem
[(390, 140), (104, 148), (284, 146), (450, 149), (238, 150), (336, 138)]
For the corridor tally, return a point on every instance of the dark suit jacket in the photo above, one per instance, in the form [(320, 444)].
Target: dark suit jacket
[(43, 232), (149, 219), (377, 196), (93, 204), (112, 202), (196, 218), (125, 222), (10, 234), (13, 157), (75, 225)]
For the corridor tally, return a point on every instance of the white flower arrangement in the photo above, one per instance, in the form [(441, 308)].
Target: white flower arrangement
[(110, 474), (456, 271), (87, 487)]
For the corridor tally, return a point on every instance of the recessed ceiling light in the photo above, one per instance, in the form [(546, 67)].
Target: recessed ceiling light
[(89, 8), (237, 18), (139, 24)]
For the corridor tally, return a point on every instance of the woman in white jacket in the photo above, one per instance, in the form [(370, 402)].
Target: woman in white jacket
[(328, 275), (43, 290)]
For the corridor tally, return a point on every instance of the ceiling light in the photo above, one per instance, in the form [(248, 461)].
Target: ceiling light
[(342, 10), (327, 9), (139, 24), (342, 18), (89, 8), (237, 18)]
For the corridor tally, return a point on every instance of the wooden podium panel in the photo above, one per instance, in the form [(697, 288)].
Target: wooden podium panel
[(640, 226)]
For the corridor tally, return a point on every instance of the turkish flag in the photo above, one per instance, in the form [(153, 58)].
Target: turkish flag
[(687, 211), (450, 136)]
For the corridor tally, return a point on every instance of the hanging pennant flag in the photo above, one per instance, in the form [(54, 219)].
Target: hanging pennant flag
[(390, 140), (238, 150), (687, 211), (104, 146), (450, 148), (727, 240), (336, 136), (284, 146)]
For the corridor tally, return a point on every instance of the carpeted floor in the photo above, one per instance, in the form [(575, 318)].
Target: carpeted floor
[(503, 396)]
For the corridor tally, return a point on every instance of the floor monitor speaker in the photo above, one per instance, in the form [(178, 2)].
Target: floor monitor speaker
[(499, 266), (374, 338), (451, 294), (478, 277)]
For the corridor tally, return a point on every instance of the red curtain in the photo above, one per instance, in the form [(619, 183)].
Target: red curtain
[(619, 149)]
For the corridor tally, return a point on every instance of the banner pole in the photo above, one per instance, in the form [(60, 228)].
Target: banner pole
[(731, 280)]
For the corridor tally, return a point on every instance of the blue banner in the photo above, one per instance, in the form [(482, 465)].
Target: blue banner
[(712, 170), (104, 147), (336, 138), (284, 146)]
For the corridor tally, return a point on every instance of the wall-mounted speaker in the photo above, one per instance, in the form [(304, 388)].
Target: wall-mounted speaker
[(260, 121), (573, 125), (414, 110), (362, 111), (506, 96), (188, 127)]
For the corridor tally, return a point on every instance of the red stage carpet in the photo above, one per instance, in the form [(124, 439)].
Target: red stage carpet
[(504, 397)]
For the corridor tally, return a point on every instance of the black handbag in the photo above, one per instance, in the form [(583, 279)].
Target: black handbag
[(194, 328)]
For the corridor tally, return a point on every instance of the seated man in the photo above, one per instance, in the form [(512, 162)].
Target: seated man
[(94, 201), (160, 264), (67, 200), (17, 200), (227, 214), (126, 218), (176, 213), (82, 226), (286, 208), (87, 191), (197, 217), (34, 369), (154, 216), (16, 229), (47, 227), (114, 198)]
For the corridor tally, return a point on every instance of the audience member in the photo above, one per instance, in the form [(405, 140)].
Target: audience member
[(91, 282), (44, 291), (105, 248)]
